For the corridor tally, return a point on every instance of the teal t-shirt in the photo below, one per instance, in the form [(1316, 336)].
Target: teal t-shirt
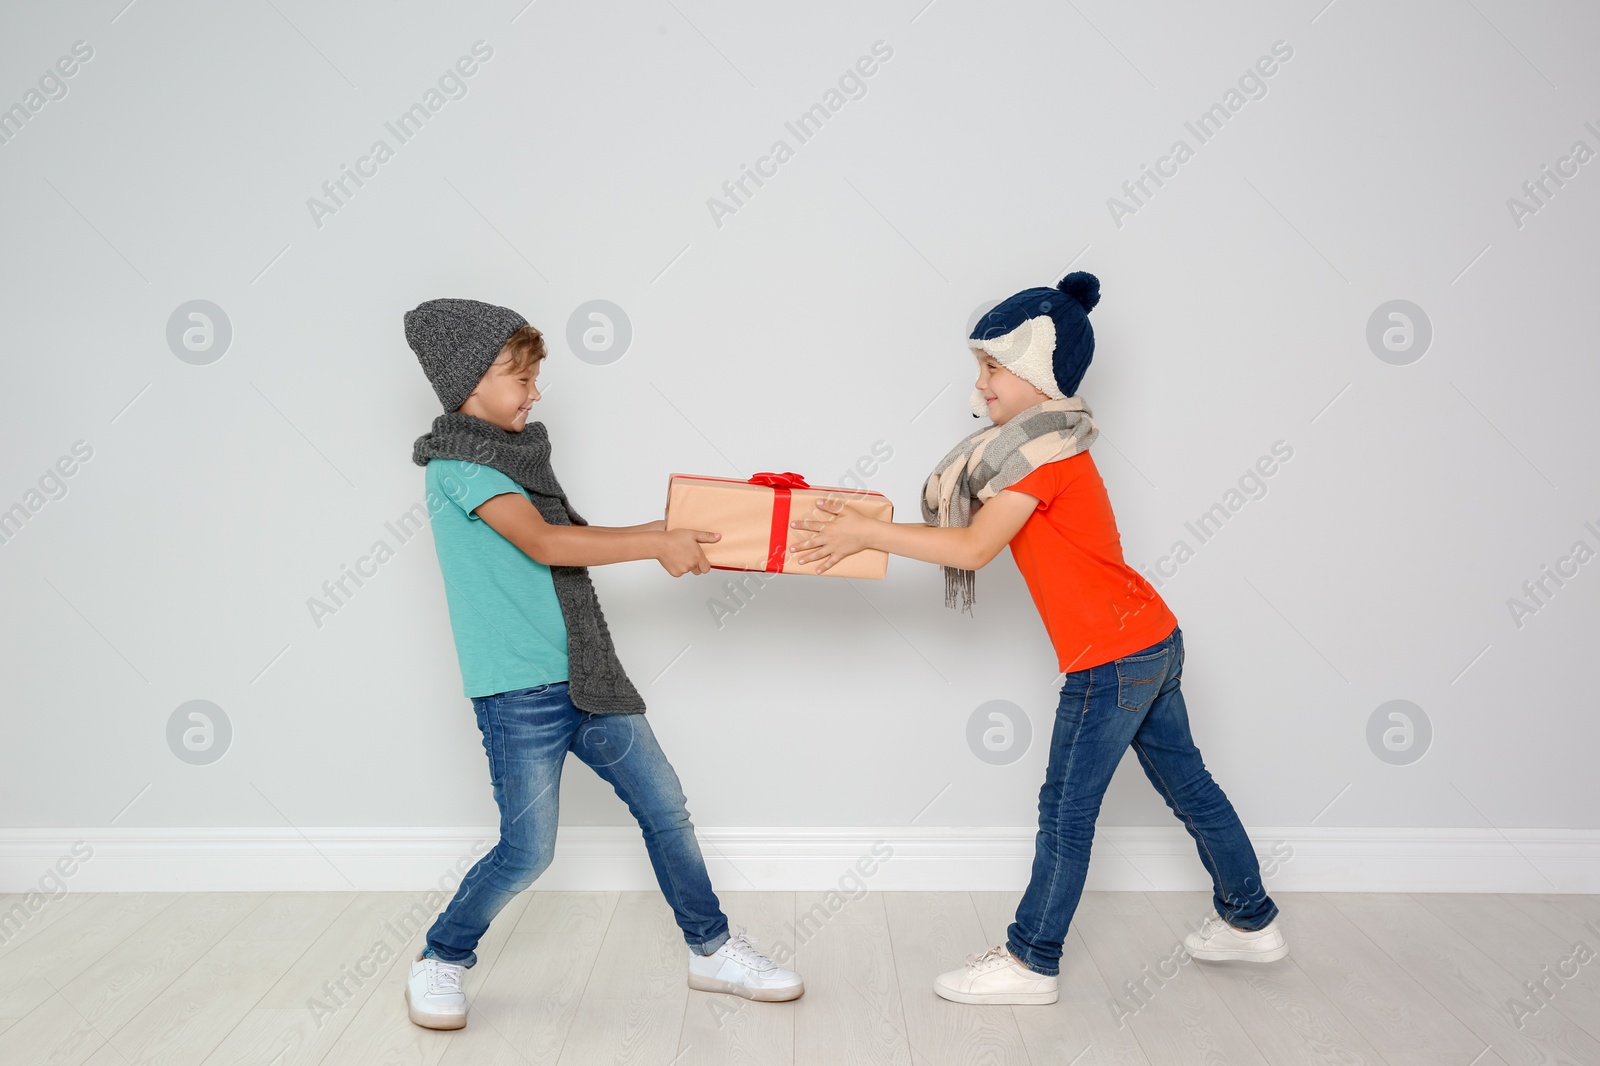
[(504, 613)]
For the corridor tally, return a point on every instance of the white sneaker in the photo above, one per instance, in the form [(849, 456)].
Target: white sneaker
[(1217, 941), (996, 976), (738, 968), (433, 994)]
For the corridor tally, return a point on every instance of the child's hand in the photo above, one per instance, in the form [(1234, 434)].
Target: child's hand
[(835, 538), (681, 551), (658, 526)]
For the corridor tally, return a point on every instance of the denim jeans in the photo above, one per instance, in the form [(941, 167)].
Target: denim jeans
[(527, 733), (1132, 700)]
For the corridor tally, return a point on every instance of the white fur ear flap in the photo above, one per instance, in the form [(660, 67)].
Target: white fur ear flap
[(1028, 351), (976, 402)]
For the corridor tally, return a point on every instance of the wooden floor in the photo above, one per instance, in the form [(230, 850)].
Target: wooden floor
[(293, 979)]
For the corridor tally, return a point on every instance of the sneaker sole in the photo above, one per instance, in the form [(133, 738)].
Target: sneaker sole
[(996, 997), (763, 995), (1240, 954), (434, 1021)]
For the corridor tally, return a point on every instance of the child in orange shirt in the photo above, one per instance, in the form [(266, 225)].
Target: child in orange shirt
[(1034, 486)]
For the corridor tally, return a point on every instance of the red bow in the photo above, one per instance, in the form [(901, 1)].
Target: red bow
[(787, 480), (778, 536)]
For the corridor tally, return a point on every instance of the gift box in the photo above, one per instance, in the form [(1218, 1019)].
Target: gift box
[(753, 517)]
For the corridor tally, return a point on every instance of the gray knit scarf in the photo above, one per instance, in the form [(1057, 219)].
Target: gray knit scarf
[(598, 684), (988, 460)]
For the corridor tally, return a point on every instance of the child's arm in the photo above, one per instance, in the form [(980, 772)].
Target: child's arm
[(968, 547), (643, 527), (512, 516)]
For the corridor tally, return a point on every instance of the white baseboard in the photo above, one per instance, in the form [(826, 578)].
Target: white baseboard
[(791, 858)]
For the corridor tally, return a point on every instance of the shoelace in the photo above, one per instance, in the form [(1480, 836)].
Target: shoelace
[(993, 954), (746, 954), (443, 977), (1211, 925)]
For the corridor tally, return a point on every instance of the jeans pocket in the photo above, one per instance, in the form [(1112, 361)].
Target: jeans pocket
[(524, 693), (1138, 680)]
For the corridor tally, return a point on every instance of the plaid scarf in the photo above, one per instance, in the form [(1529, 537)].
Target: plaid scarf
[(989, 460)]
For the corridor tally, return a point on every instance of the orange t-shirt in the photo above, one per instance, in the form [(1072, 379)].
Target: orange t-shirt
[(1095, 606)]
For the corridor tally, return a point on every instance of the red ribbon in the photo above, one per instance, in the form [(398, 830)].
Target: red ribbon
[(778, 538), (788, 479)]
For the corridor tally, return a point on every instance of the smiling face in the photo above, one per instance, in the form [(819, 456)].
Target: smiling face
[(507, 390), (1007, 394)]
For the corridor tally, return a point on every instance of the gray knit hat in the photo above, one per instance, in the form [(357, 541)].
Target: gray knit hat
[(456, 340)]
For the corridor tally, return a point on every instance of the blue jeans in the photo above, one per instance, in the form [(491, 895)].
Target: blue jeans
[(1132, 700), (527, 733)]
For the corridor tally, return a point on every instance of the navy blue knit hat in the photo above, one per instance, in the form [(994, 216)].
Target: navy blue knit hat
[(1041, 335)]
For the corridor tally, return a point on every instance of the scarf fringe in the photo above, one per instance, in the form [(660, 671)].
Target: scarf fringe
[(963, 582)]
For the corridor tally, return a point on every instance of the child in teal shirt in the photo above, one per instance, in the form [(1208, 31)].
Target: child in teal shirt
[(503, 608), (536, 657)]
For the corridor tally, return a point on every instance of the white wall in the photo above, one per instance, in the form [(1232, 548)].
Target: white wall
[(825, 315)]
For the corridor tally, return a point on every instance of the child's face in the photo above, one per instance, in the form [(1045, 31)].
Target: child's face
[(1008, 395), (503, 397)]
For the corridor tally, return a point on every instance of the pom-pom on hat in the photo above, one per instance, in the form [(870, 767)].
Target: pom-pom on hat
[(1042, 335)]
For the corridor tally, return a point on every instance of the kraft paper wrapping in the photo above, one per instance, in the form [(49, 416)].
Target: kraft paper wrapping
[(742, 513)]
